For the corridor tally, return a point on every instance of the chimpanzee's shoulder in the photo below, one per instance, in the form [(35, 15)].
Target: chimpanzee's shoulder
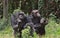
[(30, 16)]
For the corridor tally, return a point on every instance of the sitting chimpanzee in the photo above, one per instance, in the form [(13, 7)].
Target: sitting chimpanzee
[(38, 22), (18, 21)]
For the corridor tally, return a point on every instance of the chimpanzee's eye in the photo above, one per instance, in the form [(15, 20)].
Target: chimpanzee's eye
[(21, 14)]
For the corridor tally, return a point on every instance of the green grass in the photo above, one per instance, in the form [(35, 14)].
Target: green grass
[(52, 31)]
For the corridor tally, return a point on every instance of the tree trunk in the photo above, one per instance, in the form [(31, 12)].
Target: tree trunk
[(5, 10)]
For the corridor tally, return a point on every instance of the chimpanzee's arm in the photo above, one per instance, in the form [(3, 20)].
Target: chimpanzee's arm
[(14, 23), (29, 19)]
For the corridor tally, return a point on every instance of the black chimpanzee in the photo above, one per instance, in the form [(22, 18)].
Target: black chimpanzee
[(38, 22), (18, 21)]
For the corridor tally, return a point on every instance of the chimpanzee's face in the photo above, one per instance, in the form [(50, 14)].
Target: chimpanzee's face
[(21, 16), (35, 13)]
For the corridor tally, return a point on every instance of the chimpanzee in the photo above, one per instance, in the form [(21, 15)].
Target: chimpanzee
[(38, 22), (18, 21)]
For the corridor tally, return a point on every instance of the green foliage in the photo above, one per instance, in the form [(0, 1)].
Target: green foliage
[(17, 10), (40, 4), (13, 4), (52, 27), (26, 33), (2, 24)]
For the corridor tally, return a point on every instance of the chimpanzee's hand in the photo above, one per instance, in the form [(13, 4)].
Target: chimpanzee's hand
[(19, 20), (15, 26), (29, 24)]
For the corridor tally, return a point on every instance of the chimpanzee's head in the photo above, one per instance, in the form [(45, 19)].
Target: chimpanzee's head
[(21, 15), (35, 13)]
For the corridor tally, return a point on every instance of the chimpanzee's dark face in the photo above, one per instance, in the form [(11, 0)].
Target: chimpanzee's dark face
[(35, 13), (21, 16)]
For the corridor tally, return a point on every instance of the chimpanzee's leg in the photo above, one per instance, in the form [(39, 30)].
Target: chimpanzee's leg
[(42, 31), (15, 32), (31, 31), (20, 32)]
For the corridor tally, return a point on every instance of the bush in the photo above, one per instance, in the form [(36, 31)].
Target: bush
[(3, 23), (26, 33)]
